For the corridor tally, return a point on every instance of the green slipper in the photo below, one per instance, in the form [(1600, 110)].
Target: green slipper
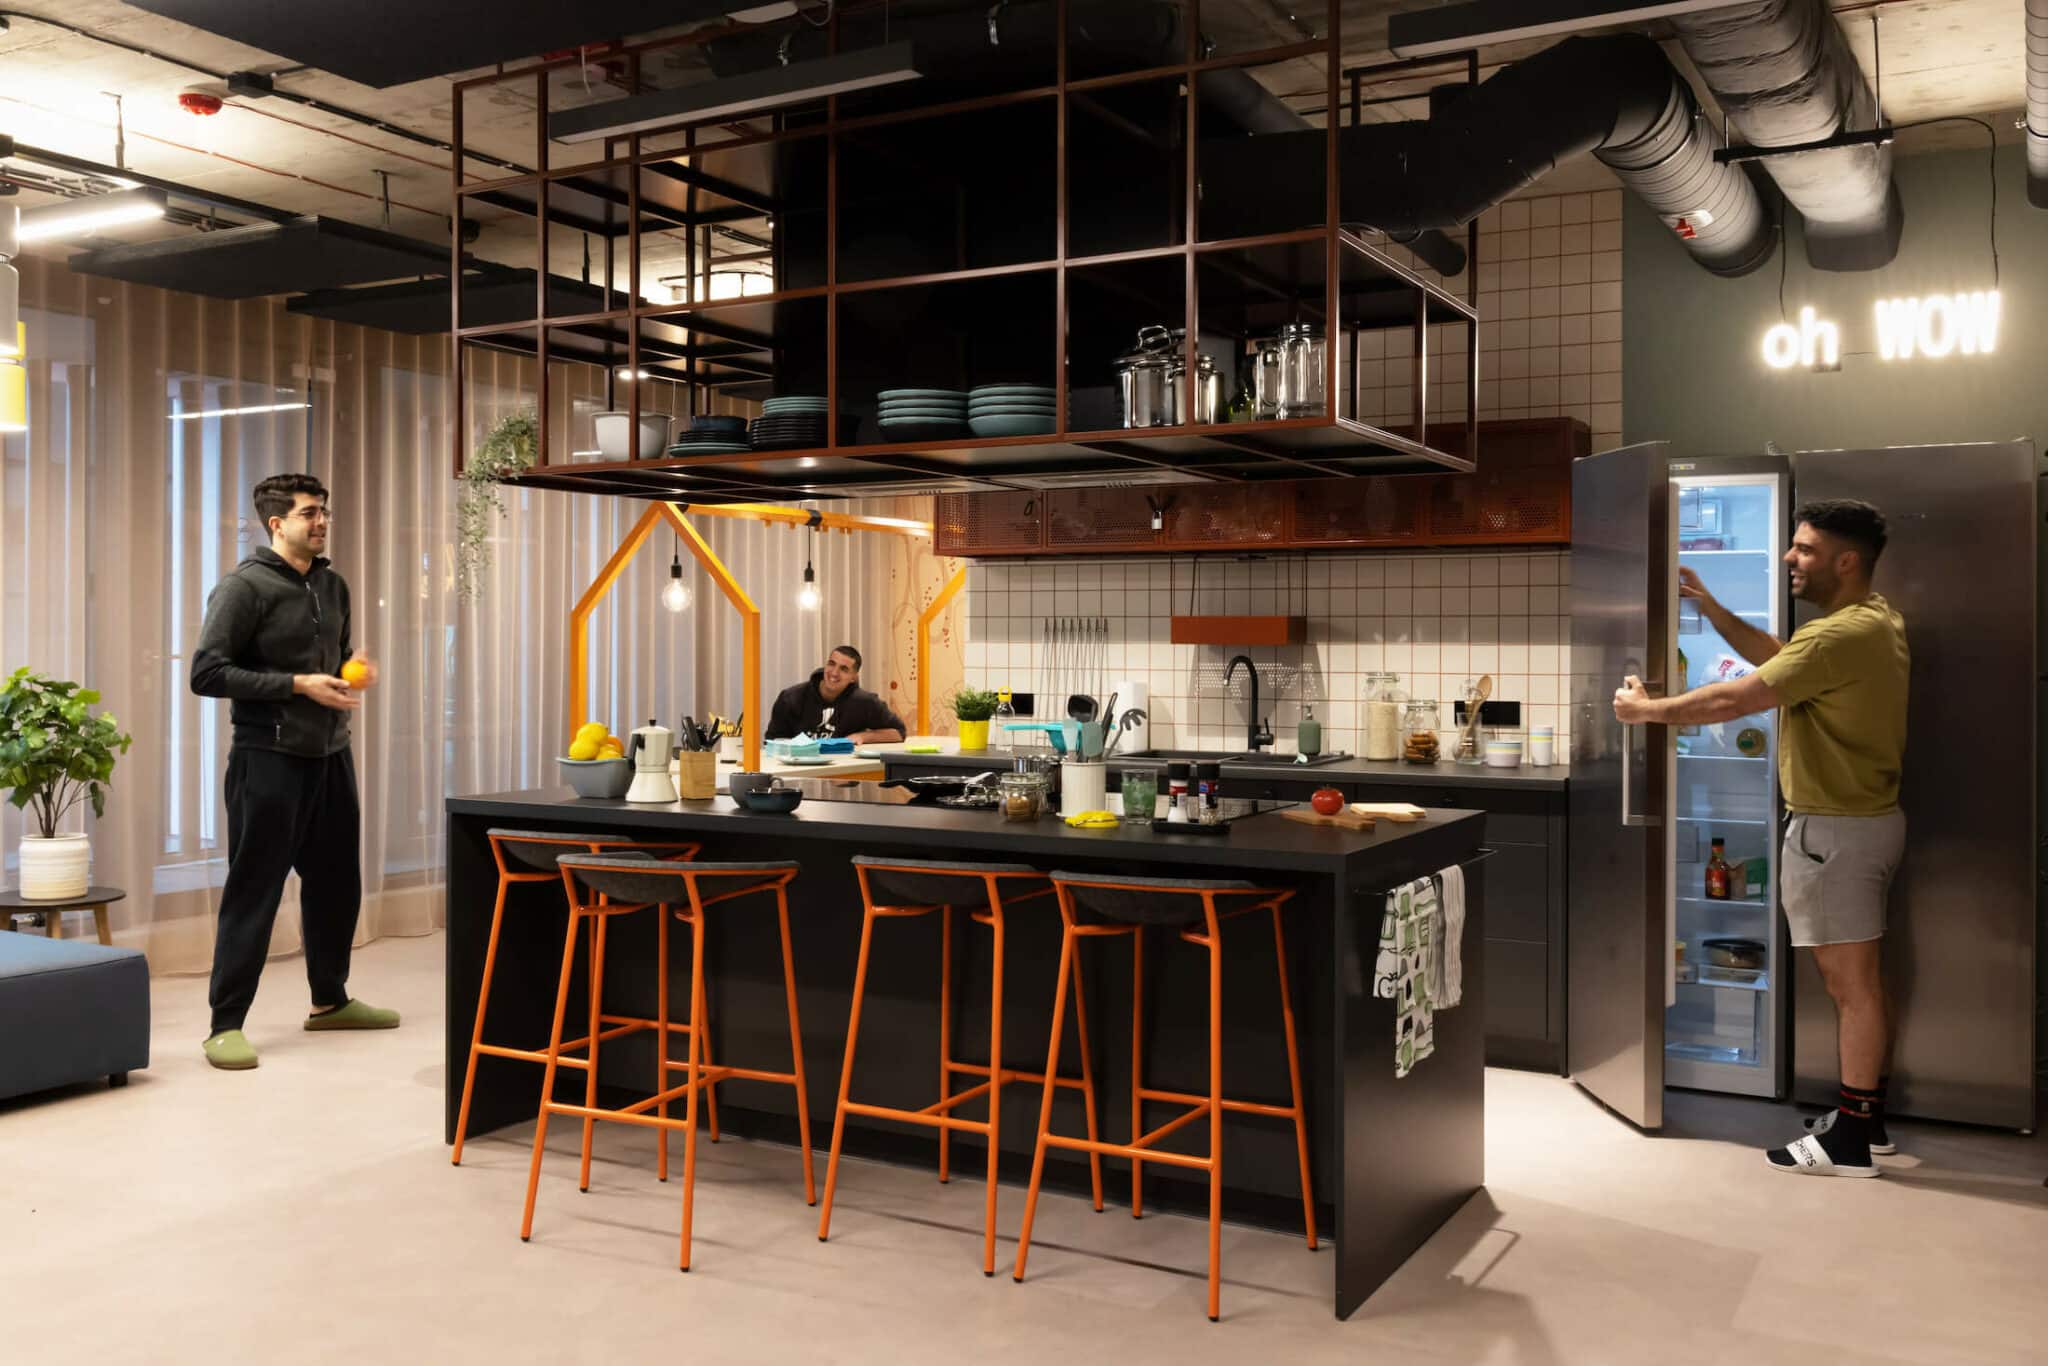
[(355, 1015), (231, 1051)]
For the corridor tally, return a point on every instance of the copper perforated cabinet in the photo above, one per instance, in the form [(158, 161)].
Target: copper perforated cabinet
[(989, 523), (1520, 494), (1233, 517), (1099, 519), (1390, 511)]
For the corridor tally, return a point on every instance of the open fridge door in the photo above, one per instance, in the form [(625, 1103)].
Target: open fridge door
[(1619, 939)]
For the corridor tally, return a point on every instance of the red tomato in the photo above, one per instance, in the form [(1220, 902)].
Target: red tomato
[(1327, 800)]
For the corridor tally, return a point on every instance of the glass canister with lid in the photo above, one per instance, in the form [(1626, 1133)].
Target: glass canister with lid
[(1306, 373), (1383, 699), (1419, 744)]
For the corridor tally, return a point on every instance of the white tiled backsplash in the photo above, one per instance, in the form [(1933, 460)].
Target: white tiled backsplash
[(1434, 619), (1550, 330)]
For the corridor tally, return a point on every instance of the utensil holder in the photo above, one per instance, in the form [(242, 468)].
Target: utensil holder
[(1083, 787), (697, 775)]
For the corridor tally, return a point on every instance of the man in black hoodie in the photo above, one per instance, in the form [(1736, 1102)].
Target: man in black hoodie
[(832, 702), (275, 639)]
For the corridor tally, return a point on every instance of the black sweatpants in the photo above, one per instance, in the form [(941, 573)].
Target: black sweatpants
[(285, 814)]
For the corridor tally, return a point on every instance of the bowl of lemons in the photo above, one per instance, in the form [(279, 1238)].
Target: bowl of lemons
[(596, 764)]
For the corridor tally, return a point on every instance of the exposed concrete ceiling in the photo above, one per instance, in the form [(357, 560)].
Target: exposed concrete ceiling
[(1941, 57)]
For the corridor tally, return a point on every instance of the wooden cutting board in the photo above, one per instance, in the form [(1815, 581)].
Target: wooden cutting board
[(1390, 811), (1344, 820)]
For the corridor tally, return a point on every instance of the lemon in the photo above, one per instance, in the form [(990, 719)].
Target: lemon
[(610, 751), (593, 731), (583, 749)]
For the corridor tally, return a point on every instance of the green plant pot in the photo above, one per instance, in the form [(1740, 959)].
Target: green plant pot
[(973, 736)]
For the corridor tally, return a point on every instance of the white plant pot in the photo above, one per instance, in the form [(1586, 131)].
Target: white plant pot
[(55, 869)]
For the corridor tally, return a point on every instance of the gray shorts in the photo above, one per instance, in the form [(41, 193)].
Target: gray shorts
[(1834, 875)]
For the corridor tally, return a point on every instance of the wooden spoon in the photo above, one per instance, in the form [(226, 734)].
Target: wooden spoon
[(1481, 690)]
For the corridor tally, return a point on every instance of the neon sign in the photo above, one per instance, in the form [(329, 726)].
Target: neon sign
[(1929, 326)]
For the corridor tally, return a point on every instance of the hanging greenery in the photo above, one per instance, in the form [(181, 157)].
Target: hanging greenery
[(509, 449)]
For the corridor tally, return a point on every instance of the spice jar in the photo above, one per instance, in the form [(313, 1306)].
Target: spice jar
[(1178, 807), (1208, 793), (1418, 731), (1383, 699), (1023, 796)]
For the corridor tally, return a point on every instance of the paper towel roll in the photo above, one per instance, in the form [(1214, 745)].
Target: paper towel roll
[(1132, 694)]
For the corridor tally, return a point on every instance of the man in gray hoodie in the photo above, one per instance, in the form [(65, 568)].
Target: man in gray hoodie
[(275, 639)]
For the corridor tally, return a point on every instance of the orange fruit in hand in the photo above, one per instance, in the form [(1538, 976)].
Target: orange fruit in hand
[(356, 674)]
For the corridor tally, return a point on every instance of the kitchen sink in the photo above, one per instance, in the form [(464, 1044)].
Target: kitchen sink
[(1221, 756)]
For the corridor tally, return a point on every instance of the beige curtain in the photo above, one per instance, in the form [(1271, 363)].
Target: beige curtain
[(128, 497)]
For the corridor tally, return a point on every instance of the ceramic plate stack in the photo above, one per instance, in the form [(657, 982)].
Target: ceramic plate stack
[(795, 422), (921, 414), (1011, 410), (713, 435)]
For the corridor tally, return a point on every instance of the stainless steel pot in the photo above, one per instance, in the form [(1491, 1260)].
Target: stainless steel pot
[(1208, 391), (1141, 379)]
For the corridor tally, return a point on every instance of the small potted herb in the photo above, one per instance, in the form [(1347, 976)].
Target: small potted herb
[(973, 707)]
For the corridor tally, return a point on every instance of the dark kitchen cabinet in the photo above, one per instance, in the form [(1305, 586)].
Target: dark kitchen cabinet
[(1525, 916)]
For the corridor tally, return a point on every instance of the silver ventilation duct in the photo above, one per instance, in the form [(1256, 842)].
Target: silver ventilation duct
[(2037, 103), (1783, 74)]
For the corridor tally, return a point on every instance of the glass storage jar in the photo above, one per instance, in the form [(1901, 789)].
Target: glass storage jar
[(1383, 699), (1419, 743), (1024, 796), (1307, 372)]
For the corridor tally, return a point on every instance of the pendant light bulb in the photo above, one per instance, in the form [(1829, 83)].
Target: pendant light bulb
[(676, 596), (807, 597)]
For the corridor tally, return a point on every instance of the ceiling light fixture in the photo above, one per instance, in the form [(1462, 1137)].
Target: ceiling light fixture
[(768, 88), (676, 596), (239, 412), (808, 597), (81, 216)]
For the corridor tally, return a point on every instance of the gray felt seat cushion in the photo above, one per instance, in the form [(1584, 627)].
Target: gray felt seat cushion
[(1174, 901), (71, 1010), (937, 882), (537, 849), (631, 879)]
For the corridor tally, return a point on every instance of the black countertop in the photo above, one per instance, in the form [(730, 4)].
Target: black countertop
[(1384, 772), (860, 811)]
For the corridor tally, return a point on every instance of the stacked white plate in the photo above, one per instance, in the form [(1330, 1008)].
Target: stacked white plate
[(920, 414), (1012, 410)]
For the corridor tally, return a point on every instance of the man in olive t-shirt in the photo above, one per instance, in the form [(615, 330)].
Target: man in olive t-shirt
[(1841, 682)]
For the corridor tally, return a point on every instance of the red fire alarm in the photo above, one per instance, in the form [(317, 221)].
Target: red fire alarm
[(1688, 225), (199, 102)]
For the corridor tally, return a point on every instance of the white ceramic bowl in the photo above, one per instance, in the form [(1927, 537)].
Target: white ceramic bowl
[(611, 435), (1503, 753)]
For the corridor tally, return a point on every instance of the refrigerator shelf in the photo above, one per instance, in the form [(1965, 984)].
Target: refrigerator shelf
[(1749, 903), (1722, 820), (1683, 551), (1725, 758), (1728, 979)]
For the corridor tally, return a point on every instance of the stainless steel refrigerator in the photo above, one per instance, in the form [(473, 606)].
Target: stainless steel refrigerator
[(1673, 981)]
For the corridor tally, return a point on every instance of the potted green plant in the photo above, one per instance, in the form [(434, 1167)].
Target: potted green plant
[(510, 448), (973, 707), (54, 753)]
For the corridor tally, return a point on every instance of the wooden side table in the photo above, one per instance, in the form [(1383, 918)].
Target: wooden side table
[(96, 900)]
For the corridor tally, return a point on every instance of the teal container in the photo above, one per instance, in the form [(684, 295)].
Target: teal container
[(1308, 736)]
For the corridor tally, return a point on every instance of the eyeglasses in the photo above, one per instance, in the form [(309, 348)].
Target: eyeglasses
[(310, 515)]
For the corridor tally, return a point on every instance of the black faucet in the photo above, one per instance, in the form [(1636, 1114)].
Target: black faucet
[(1257, 733)]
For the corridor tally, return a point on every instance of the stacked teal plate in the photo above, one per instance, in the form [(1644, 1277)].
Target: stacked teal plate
[(920, 414), (1012, 410)]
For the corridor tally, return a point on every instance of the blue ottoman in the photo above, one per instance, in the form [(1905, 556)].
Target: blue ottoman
[(70, 1011)]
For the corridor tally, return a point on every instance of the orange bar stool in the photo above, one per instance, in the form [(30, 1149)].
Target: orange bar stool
[(1095, 906), (529, 856), (612, 886), (915, 887)]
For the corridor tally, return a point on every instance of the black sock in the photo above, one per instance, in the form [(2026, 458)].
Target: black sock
[(1847, 1140)]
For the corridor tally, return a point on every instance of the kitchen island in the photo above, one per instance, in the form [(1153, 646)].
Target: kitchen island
[(1390, 1160)]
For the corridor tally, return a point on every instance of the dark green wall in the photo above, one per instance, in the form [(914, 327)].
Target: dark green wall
[(1693, 371)]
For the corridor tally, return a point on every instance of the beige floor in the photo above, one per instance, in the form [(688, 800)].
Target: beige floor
[(306, 1213)]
